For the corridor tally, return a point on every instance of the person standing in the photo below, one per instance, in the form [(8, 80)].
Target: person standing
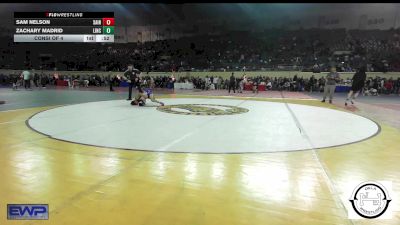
[(16, 81), (113, 79), (255, 85), (220, 82), (215, 81), (171, 81), (331, 79), (132, 75), (69, 81), (27, 79), (241, 84), (152, 84), (35, 78), (321, 84), (232, 83), (358, 82), (397, 86), (43, 79), (55, 77), (311, 83)]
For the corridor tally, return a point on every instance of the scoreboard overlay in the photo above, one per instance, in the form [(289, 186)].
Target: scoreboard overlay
[(64, 26)]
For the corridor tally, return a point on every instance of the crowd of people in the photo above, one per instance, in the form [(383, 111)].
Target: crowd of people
[(373, 85), (27, 80), (275, 49), (382, 85), (40, 79)]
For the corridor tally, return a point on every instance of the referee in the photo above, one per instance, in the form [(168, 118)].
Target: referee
[(331, 79), (132, 75)]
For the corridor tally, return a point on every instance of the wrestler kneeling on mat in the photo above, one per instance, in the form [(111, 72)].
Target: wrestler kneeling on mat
[(140, 98)]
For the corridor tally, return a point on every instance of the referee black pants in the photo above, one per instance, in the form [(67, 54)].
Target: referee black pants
[(131, 85), (111, 85), (232, 86), (27, 84)]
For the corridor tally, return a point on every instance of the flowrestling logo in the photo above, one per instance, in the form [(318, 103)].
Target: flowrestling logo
[(371, 200), (27, 212)]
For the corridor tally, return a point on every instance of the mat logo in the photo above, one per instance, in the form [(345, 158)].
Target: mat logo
[(202, 109), (27, 212), (370, 200)]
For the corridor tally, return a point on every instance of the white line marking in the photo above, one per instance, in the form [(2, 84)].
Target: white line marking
[(11, 110), (325, 174), (16, 121), (166, 147)]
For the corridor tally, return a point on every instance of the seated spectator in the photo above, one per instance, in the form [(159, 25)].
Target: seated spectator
[(388, 87), (269, 85), (86, 83)]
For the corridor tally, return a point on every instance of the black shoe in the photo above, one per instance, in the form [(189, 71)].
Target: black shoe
[(323, 100), (129, 99)]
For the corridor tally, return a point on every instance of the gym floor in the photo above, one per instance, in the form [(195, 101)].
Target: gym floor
[(84, 183)]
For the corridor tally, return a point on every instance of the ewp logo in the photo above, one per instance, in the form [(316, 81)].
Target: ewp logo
[(27, 211)]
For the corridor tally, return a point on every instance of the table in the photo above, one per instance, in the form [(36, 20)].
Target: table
[(62, 83), (342, 88), (124, 84), (187, 86), (249, 87)]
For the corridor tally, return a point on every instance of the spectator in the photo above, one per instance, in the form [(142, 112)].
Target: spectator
[(16, 82), (43, 80), (269, 85), (311, 83), (232, 83), (397, 86), (36, 78), (241, 84), (27, 79), (388, 86), (255, 86)]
